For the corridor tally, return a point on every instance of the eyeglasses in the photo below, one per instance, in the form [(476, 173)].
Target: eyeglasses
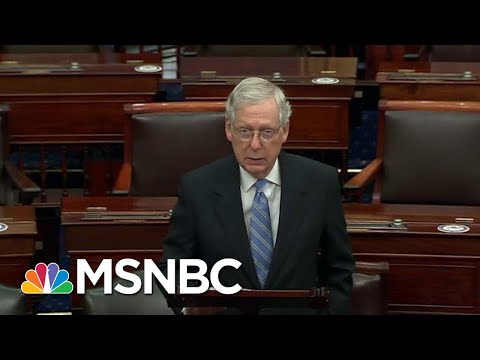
[(247, 134)]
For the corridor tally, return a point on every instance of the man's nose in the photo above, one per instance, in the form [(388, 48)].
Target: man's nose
[(255, 143)]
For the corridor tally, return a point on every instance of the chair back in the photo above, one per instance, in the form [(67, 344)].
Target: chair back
[(96, 302), (15, 186), (6, 197), (12, 301), (171, 141), (430, 152), (4, 111), (369, 292)]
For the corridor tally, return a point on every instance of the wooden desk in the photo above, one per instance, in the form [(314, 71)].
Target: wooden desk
[(113, 237), (63, 110), (17, 243), (320, 117), (430, 271), (138, 238), (90, 97), (431, 81)]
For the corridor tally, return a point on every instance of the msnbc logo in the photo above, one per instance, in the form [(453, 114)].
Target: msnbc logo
[(47, 280)]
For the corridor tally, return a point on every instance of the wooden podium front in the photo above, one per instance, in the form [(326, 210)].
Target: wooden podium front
[(319, 89), (97, 228), (430, 271), (17, 243), (249, 301)]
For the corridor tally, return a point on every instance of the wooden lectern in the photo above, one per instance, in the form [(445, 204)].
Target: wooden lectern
[(248, 301)]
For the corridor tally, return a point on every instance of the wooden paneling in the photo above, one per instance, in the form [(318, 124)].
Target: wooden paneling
[(452, 282), (95, 80), (327, 131), (68, 119)]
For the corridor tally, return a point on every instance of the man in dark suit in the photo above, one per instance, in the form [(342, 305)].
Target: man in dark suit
[(271, 210)]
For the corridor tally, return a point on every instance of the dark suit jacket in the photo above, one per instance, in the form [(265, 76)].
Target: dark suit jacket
[(208, 223)]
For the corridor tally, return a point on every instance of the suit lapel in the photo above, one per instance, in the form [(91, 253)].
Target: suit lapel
[(228, 207), (292, 212)]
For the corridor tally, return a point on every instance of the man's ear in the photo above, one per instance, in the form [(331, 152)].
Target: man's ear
[(228, 129), (285, 131)]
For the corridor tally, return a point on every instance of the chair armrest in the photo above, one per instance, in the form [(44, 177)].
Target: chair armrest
[(189, 50), (359, 182), (372, 268), (411, 56), (197, 310), (422, 52), (28, 189), (124, 179), (364, 177), (316, 50), (370, 288)]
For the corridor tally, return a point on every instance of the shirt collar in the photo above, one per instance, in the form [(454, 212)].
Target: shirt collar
[(247, 180)]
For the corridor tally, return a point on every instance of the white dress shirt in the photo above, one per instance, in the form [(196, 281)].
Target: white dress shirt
[(272, 191)]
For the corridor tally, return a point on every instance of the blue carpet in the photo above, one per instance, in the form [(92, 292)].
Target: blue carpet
[(363, 141), (57, 303)]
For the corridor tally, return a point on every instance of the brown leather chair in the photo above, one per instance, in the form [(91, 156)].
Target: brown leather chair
[(427, 153), (96, 302), (15, 186), (12, 301), (165, 140), (369, 294)]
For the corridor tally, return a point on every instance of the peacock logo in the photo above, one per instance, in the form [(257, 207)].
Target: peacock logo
[(47, 280)]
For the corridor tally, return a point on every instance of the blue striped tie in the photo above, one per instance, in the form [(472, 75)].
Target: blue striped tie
[(261, 239)]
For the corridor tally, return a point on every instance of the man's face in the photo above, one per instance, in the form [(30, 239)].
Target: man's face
[(257, 153)]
